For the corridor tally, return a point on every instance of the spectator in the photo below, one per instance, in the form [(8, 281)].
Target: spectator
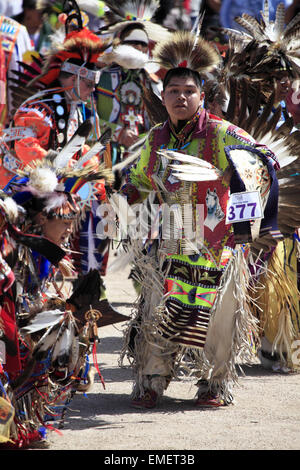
[(14, 43), (10, 9)]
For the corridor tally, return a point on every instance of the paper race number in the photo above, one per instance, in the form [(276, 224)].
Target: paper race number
[(244, 206)]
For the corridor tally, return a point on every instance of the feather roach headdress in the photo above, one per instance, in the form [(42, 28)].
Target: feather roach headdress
[(76, 51), (183, 49), (135, 12), (52, 186), (188, 50), (81, 49)]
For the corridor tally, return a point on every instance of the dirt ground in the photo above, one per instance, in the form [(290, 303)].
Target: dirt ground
[(265, 416)]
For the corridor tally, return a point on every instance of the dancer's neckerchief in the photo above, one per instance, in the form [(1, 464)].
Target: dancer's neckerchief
[(184, 135), (195, 127)]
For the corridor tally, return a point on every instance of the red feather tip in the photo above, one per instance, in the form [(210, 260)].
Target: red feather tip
[(183, 64)]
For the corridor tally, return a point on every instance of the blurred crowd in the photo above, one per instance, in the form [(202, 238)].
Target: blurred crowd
[(174, 14)]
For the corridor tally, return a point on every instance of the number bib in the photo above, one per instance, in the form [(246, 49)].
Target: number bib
[(244, 206)]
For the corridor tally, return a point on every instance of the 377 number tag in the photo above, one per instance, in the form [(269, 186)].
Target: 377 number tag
[(244, 206)]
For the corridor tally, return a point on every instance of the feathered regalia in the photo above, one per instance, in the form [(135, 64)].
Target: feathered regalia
[(257, 54), (246, 84), (243, 86), (75, 49), (57, 327), (177, 304), (133, 24), (81, 47), (129, 74), (189, 51), (186, 50), (268, 45), (135, 12)]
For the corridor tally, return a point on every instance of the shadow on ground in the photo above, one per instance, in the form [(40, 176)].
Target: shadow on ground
[(90, 412)]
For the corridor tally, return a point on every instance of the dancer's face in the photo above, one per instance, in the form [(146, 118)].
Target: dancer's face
[(282, 86), (182, 98), (86, 87), (57, 230)]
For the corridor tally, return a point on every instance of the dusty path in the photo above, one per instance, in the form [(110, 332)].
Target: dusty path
[(266, 414)]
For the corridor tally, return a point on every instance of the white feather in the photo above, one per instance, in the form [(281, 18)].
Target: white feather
[(182, 168), (287, 182), (73, 146), (92, 261), (152, 66), (46, 342), (285, 161), (62, 349), (197, 28), (122, 209), (192, 168), (89, 6), (182, 157), (97, 148), (206, 175), (280, 148), (127, 57), (120, 166), (10, 208), (43, 320), (57, 38), (54, 201), (43, 180)]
